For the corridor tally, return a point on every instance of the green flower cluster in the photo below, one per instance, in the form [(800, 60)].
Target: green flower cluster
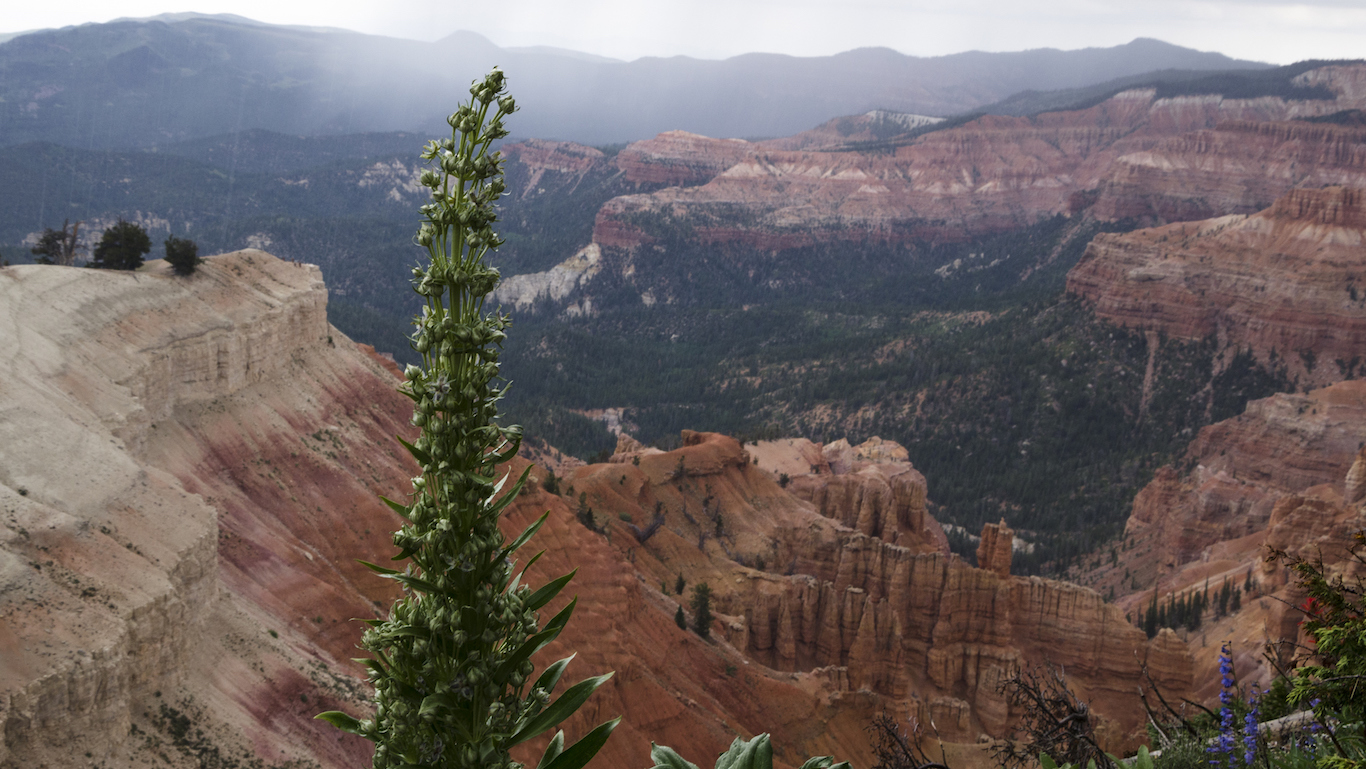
[(451, 664)]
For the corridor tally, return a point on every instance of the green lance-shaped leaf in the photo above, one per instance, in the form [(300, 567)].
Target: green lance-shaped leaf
[(380, 570), (522, 538), (422, 457), (550, 677), (555, 748), (557, 711), (342, 721), (1046, 761), (580, 753), (666, 757), (548, 591), (497, 507), (419, 584), (824, 762), (517, 580), (402, 510)]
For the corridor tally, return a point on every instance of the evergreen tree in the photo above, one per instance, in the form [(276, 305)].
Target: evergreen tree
[(701, 610), (182, 254), (680, 584), (679, 619), (121, 247), (57, 246)]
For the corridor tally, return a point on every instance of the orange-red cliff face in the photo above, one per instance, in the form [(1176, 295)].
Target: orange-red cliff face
[(1288, 474), (1236, 167), (1285, 279), (845, 610), (1241, 468), (1134, 154)]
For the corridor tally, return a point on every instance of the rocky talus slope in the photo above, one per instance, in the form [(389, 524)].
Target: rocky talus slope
[(1284, 282)]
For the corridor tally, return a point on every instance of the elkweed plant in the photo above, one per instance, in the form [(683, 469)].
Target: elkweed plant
[(451, 665)]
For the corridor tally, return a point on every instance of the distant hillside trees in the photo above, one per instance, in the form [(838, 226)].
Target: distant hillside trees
[(57, 246), (182, 254), (122, 247)]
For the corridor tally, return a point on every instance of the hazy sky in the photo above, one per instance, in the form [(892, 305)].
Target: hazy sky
[(1263, 30)]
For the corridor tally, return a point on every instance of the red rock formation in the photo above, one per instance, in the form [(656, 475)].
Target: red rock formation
[(1241, 467), (251, 428), (1237, 167), (873, 489), (1285, 475), (996, 548), (1217, 155), (182, 487), (680, 159), (1282, 280), (919, 630), (537, 158)]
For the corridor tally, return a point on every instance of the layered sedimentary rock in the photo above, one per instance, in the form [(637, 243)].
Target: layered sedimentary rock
[(1283, 477), (231, 447), (536, 163), (680, 159), (796, 589), (124, 524), (1238, 167), (873, 489), (999, 173), (1240, 468), (996, 548), (1282, 282)]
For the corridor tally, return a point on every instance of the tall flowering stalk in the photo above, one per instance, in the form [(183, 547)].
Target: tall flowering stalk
[(1224, 751), (1223, 746), (451, 665)]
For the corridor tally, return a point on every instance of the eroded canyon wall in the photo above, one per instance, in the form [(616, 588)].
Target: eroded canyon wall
[(1283, 283)]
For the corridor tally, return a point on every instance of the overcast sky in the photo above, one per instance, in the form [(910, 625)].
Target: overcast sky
[(1263, 30)]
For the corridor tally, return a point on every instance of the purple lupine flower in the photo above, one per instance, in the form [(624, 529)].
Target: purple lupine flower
[(1250, 729), (1224, 746), (1226, 674)]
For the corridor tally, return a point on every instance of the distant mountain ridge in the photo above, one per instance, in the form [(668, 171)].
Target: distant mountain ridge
[(142, 83)]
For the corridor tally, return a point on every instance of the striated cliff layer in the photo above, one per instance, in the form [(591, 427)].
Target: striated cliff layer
[(997, 173), (119, 609), (1239, 469), (1287, 475), (817, 589), (853, 182), (1283, 282)]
